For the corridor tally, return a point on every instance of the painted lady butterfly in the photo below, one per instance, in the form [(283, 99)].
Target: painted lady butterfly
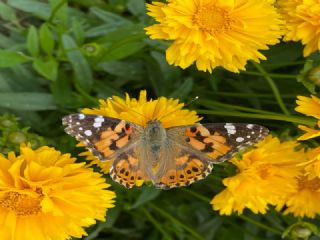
[(169, 157)]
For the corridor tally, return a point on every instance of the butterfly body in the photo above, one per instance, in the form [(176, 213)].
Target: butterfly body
[(168, 157), (154, 137)]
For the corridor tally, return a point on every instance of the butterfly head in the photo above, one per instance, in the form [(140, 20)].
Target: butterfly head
[(154, 132)]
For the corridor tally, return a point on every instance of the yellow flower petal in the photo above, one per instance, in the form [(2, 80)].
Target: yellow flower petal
[(215, 33), (302, 22), (309, 133), (309, 106)]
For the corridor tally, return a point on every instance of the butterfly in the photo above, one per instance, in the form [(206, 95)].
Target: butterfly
[(168, 157)]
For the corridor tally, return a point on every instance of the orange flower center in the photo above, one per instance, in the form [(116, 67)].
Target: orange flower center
[(265, 170), (212, 19), (305, 183), (22, 204)]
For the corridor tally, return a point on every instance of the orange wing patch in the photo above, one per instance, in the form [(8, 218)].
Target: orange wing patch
[(125, 170), (213, 144), (189, 168), (113, 138)]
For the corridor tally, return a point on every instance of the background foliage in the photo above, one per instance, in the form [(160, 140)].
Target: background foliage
[(58, 56)]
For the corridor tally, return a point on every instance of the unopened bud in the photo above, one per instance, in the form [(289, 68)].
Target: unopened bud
[(314, 76), (91, 49)]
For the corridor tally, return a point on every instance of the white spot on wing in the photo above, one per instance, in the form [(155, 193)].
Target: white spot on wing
[(231, 129), (88, 133), (239, 139), (97, 124), (250, 126), (81, 116), (99, 119)]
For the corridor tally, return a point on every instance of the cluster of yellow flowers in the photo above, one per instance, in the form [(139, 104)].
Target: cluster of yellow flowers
[(46, 194), (281, 174), (213, 33)]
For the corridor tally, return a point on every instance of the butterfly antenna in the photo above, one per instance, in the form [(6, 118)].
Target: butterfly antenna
[(191, 101), (187, 104)]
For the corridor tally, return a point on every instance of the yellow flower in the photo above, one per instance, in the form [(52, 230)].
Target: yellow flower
[(309, 132), (302, 22), (304, 200), (167, 110), (266, 175), (45, 195), (215, 33), (310, 107)]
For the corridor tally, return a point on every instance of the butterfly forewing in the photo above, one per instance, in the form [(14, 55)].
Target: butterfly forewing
[(220, 141), (103, 136)]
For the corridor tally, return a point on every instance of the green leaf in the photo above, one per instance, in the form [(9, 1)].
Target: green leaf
[(127, 69), (82, 70), (108, 17), (46, 39), (33, 41), (10, 58), (102, 30), (183, 90), (48, 69), (62, 92), (77, 29), (156, 77), (137, 7), (147, 194), (27, 101), (7, 13), (122, 50), (37, 8)]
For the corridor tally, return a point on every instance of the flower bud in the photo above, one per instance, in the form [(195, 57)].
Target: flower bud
[(314, 75), (300, 230), (91, 49)]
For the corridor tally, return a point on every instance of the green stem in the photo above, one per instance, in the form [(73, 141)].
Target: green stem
[(196, 195), (298, 120), (242, 229), (91, 100), (173, 219), (273, 87), (156, 224), (251, 95), (284, 64), (225, 105), (260, 225), (274, 75)]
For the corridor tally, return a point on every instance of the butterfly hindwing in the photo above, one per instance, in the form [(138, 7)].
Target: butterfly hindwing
[(103, 136), (126, 170), (188, 168), (220, 141)]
